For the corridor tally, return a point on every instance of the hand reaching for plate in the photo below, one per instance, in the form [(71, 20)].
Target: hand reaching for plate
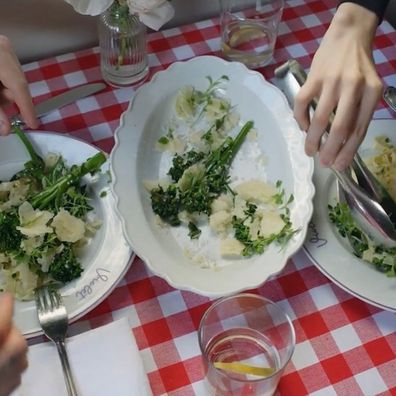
[(13, 88), (342, 77)]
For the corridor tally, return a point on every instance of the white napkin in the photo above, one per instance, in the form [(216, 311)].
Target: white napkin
[(105, 361)]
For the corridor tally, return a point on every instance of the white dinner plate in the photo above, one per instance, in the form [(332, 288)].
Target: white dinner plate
[(331, 253), (105, 259), (134, 159)]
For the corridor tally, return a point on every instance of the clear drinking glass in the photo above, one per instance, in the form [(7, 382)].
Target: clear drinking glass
[(249, 32), (123, 46), (245, 331)]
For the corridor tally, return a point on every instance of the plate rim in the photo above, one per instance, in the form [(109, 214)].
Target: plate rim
[(128, 256), (115, 180)]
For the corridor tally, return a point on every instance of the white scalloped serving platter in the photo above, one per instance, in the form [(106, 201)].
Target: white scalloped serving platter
[(135, 159)]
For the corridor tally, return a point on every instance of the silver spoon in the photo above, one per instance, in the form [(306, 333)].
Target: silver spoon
[(368, 213), (370, 185), (389, 96)]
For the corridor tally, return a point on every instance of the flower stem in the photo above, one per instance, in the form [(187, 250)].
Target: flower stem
[(120, 13)]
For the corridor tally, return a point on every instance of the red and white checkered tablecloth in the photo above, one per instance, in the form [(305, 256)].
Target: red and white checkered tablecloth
[(344, 346)]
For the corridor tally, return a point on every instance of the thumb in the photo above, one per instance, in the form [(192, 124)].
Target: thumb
[(6, 311)]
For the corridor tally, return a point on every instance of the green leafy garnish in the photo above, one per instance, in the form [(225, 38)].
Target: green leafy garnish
[(10, 237), (258, 244), (200, 188), (167, 204), (65, 266), (343, 220), (194, 231), (163, 140), (181, 162), (383, 259)]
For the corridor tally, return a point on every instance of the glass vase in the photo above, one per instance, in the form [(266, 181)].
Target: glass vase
[(123, 46)]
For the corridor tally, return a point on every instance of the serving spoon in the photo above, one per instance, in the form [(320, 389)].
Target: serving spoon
[(390, 97), (370, 204)]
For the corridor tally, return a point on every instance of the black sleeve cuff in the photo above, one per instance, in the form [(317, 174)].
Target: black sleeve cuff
[(376, 6)]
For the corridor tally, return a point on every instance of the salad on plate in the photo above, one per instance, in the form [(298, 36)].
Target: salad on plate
[(383, 165), (203, 195), (44, 221), (211, 178)]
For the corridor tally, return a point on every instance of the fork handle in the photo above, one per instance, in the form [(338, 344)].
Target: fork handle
[(71, 388)]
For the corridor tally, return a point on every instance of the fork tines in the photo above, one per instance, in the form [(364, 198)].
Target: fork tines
[(51, 312)]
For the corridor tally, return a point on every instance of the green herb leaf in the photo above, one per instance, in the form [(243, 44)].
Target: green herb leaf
[(194, 231)]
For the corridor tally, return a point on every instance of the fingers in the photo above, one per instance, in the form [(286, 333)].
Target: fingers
[(13, 352), (320, 119), (6, 96), (355, 98), (344, 121), (24, 102), (6, 310), (13, 80), (10, 386), (13, 361), (5, 125), (302, 102), (13, 348), (369, 101)]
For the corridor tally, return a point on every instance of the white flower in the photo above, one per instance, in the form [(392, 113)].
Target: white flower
[(90, 7), (152, 13), (144, 6)]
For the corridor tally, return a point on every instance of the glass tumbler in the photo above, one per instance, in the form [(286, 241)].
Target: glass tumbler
[(246, 341), (123, 46), (249, 31)]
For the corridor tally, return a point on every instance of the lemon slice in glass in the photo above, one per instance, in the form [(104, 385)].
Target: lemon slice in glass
[(241, 368), (245, 35)]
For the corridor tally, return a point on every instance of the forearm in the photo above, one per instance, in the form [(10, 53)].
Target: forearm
[(354, 22), (378, 7)]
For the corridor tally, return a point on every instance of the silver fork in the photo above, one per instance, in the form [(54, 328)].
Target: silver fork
[(53, 319)]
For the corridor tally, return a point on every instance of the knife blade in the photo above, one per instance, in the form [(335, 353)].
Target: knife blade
[(67, 97), (63, 99)]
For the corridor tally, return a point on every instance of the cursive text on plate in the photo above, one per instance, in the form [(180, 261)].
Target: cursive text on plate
[(314, 237), (87, 289)]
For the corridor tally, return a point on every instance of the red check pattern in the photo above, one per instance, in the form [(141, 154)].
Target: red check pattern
[(344, 346)]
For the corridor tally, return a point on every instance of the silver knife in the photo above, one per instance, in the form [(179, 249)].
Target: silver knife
[(64, 99)]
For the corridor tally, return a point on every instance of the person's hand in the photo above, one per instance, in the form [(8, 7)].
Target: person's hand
[(13, 88), (13, 348), (342, 77)]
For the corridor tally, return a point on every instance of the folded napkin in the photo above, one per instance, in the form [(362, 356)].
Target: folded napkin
[(105, 361)]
